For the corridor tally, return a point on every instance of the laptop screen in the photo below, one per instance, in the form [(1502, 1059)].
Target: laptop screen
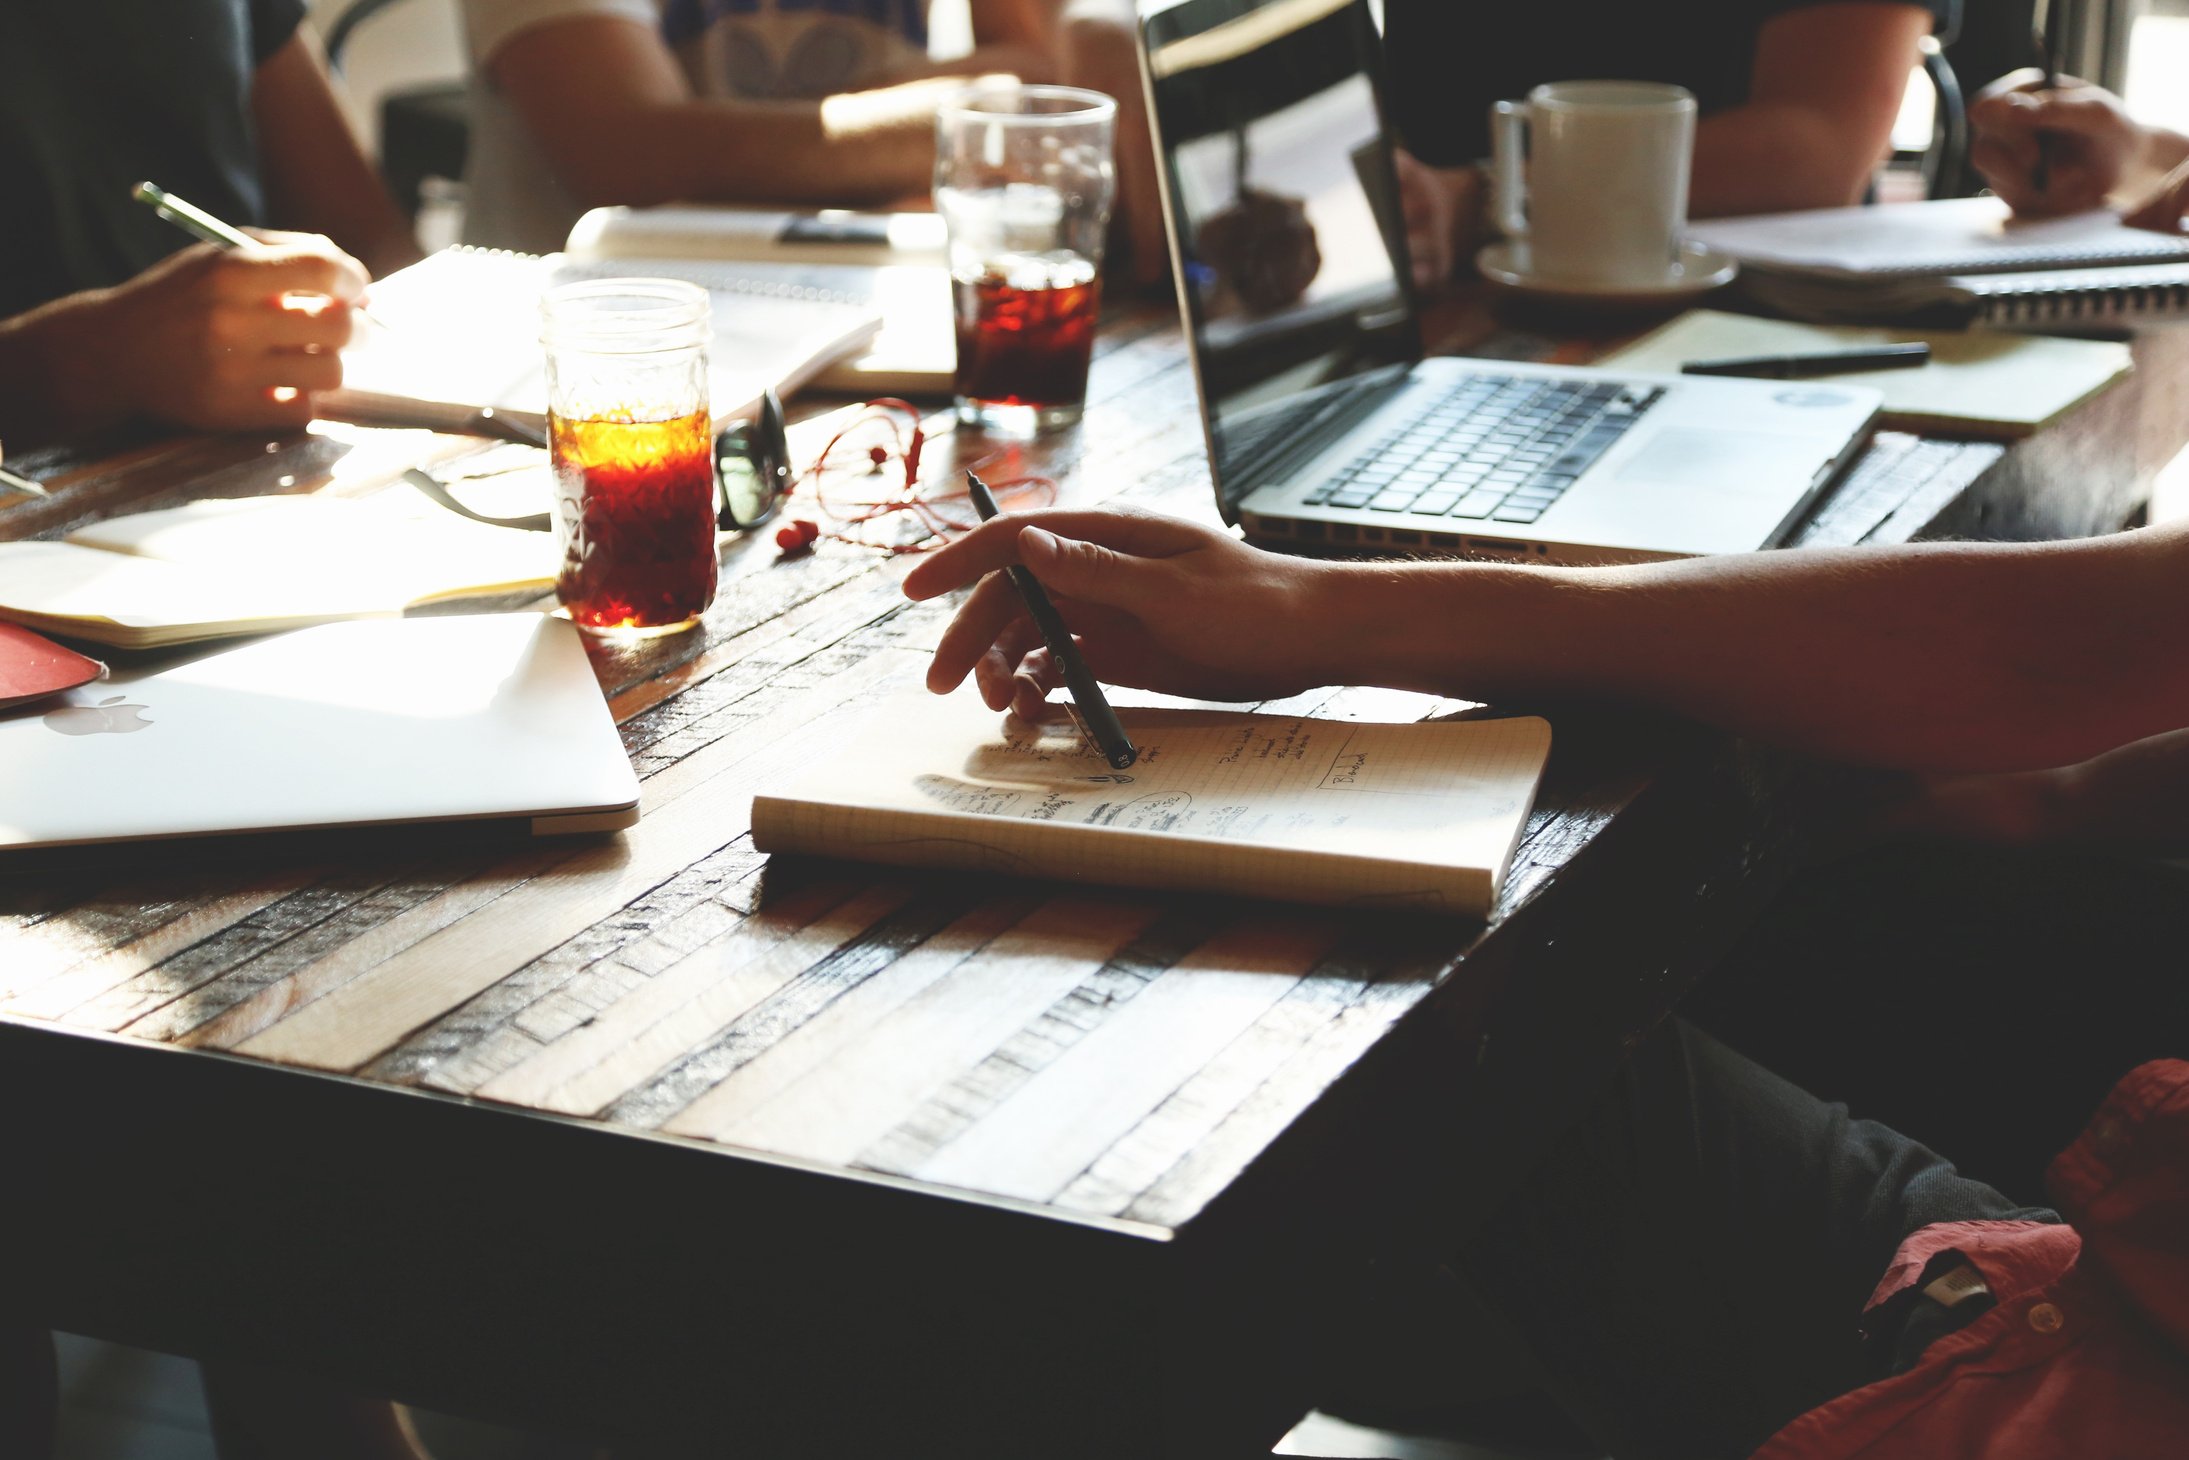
[(1286, 214)]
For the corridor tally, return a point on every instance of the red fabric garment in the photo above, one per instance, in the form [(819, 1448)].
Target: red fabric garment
[(2087, 1353)]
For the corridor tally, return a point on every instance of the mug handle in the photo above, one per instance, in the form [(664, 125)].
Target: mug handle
[(1508, 159)]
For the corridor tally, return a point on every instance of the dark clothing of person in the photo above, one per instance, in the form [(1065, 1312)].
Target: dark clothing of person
[(96, 98), (1447, 62), (1691, 1265), (1900, 981), (1714, 1261), (27, 1392)]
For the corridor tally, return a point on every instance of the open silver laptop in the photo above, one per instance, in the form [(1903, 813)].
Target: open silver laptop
[(377, 722), (1327, 428)]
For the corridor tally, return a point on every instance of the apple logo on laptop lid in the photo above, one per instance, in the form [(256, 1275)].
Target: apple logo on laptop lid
[(108, 717)]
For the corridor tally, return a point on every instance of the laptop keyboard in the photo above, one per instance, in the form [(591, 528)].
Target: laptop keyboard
[(1495, 448)]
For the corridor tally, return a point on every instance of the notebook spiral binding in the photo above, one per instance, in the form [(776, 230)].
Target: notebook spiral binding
[(2097, 300)]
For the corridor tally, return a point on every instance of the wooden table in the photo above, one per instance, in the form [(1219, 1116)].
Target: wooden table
[(641, 1136)]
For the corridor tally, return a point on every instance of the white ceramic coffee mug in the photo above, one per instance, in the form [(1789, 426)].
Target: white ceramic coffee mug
[(1602, 198)]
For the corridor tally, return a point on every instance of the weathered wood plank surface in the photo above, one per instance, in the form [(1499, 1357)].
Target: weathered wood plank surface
[(1106, 1054)]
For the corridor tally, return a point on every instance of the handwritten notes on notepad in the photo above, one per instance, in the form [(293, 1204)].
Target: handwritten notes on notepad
[(1421, 815)]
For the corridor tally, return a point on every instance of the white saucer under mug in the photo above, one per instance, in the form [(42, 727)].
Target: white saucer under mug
[(1698, 270)]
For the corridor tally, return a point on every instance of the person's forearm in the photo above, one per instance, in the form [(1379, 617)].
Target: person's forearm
[(2133, 798), (1774, 159), (1942, 657), (52, 383), (1029, 61), (318, 179), (862, 147)]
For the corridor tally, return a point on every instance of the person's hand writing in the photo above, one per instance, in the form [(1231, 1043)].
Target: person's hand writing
[(1443, 210), (2093, 143), (1155, 603), (223, 339)]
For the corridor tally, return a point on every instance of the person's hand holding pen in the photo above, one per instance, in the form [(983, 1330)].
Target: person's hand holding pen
[(2049, 151), (1155, 603), (211, 338)]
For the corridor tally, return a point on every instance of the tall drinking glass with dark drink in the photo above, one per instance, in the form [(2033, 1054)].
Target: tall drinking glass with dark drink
[(631, 436), (1024, 182)]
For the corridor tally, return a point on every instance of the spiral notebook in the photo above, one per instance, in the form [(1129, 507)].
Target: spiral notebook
[(461, 330), (1422, 815), (1950, 237)]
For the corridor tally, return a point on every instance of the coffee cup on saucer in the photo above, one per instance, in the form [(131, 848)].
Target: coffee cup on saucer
[(1591, 183)]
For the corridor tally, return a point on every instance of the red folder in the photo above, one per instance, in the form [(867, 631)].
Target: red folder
[(32, 667)]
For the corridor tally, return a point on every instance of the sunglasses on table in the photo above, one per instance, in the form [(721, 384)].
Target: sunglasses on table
[(751, 471)]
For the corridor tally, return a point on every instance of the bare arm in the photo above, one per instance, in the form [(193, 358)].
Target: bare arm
[(317, 177), (618, 122), (2133, 799), (1827, 84), (208, 339), (1937, 657)]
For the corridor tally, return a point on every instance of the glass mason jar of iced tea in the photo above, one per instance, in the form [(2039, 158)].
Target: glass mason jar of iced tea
[(630, 432), (1024, 178)]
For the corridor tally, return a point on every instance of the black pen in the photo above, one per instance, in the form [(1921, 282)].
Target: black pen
[(2048, 55), (1096, 719), (1823, 362)]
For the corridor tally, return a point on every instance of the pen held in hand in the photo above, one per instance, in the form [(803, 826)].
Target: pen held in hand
[(2047, 39), (206, 228), (1821, 362), (22, 486), (1096, 718)]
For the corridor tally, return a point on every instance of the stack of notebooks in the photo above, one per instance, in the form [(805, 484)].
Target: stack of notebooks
[(1956, 262), (852, 302)]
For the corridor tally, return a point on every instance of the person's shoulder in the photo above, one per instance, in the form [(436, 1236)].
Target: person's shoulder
[(488, 24)]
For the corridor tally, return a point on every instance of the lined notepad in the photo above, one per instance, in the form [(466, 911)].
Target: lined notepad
[(1421, 815), (1995, 385)]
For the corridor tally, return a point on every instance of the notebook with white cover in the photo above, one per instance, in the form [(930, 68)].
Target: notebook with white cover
[(1921, 240), (462, 331), (218, 568), (896, 259), (1423, 815), (758, 235)]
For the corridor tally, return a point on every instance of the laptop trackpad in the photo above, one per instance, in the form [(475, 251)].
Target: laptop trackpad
[(1711, 458)]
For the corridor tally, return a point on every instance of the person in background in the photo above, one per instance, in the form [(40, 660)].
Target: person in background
[(590, 103), (109, 314), (2100, 155), (1797, 97), (1715, 1261)]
